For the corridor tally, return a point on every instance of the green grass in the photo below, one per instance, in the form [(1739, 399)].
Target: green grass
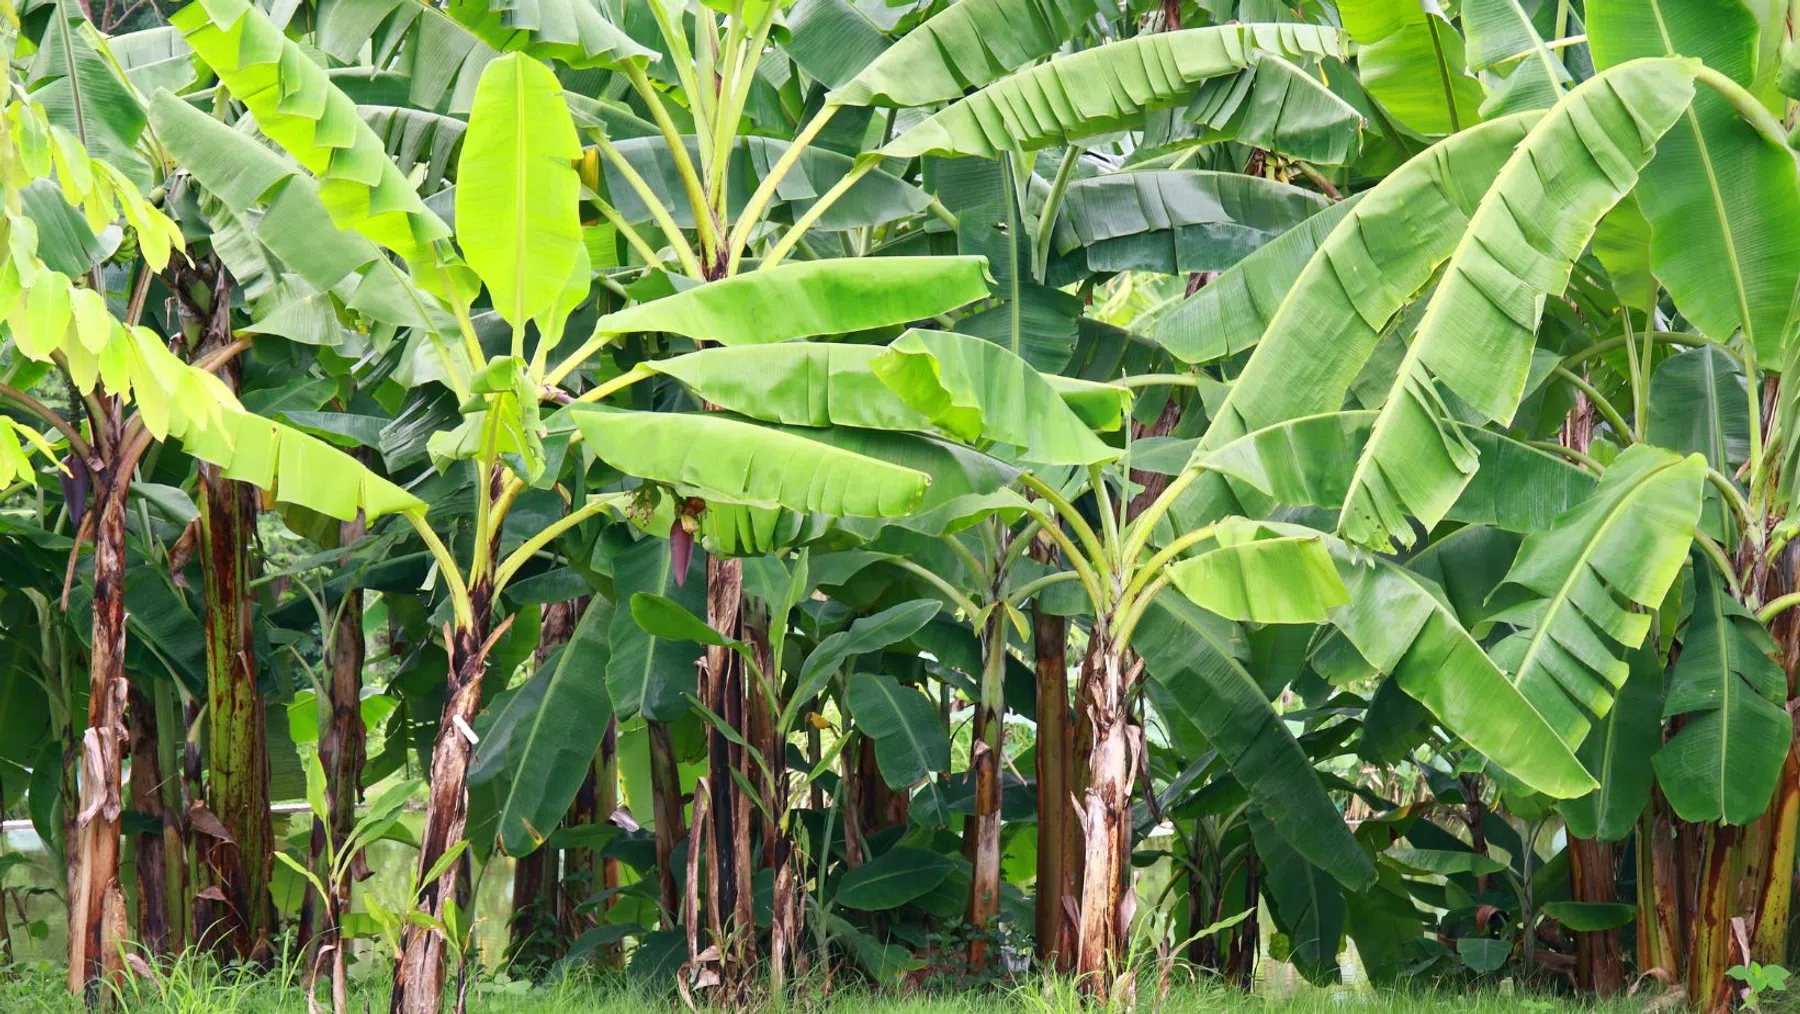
[(200, 987)]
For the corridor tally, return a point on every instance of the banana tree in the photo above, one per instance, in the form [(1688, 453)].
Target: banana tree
[(1468, 356), (113, 361)]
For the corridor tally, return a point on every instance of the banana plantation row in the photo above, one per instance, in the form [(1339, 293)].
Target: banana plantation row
[(897, 491)]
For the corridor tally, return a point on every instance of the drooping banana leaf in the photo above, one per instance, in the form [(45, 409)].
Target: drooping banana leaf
[(445, 58), (272, 203), (1381, 253), (1570, 590), (571, 32), (1479, 327), (1306, 904), (82, 94), (1618, 753), (966, 46), (1719, 193), (1173, 221), (1106, 88), (647, 675), (809, 298), (1273, 105), (1230, 313), (1181, 650), (717, 457), (833, 40), (292, 466), (909, 734), (1310, 460), (1726, 758), (295, 104), (1506, 49), (154, 59), (415, 138), (1399, 621), (554, 745), (982, 394)]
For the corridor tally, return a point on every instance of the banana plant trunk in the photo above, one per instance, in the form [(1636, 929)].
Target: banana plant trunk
[(606, 800), (419, 974), (1660, 940), (97, 926), (1107, 900), (157, 932), (982, 840), (1599, 967), (671, 820), (1055, 779), (1775, 892), (732, 865), (237, 786), (1709, 935)]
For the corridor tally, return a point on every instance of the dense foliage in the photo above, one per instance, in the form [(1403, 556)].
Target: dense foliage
[(905, 490)]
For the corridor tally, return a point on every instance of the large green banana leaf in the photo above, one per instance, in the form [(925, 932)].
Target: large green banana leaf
[(553, 747), (1368, 268), (572, 32), (809, 298), (1310, 461), (517, 195), (717, 457), (1724, 761), (1039, 324), (154, 59), (273, 204), (647, 675), (1505, 48), (1618, 753), (982, 394), (1379, 256), (1258, 576), (296, 105), (81, 93), (1411, 61), (1175, 221), (909, 734), (1273, 105), (417, 140), (1479, 327), (1306, 904), (1181, 650), (834, 40), (292, 466), (1571, 588), (1720, 196), (968, 45), (1102, 89), (1230, 313), (445, 58), (1398, 620), (796, 383), (1697, 405)]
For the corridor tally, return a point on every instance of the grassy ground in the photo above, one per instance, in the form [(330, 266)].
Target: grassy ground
[(194, 989)]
